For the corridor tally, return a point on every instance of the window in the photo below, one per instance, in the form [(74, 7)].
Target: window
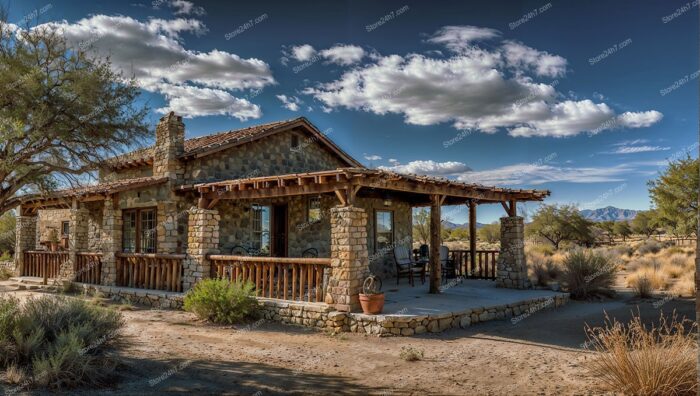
[(295, 141), (261, 229), (139, 231), (65, 228), (383, 230), (313, 209)]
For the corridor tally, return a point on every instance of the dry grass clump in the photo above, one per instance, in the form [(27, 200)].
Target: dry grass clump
[(589, 274), (684, 286), (656, 279), (5, 274), (643, 287), (543, 272), (636, 360), (411, 354)]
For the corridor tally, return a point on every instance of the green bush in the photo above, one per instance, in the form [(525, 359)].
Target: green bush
[(5, 274), (588, 274), (57, 342), (221, 301)]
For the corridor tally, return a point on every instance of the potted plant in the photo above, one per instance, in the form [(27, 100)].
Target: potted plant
[(372, 298), (53, 239)]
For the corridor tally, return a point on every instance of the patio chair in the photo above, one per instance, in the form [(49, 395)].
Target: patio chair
[(447, 265), (406, 266)]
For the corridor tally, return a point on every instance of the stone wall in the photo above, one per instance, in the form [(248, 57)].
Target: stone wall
[(149, 298), (111, 241), (25, 237), (272, 155), (47, 220), (511, 267)]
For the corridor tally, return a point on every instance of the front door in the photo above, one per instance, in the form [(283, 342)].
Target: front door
[(279, 231)]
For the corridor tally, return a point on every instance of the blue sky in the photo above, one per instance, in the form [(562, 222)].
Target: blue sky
[(585, 99)]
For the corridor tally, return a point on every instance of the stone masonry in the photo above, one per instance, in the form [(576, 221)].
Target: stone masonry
[(349, 258), (111, 237), (77, 240), (170, 144), (25, 238), (511, 265), (202, 239)]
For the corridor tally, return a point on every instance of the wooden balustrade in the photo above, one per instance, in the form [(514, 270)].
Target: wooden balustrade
[(88, 268), (297, 279), (150, 271), (485, 263), (43, 264)]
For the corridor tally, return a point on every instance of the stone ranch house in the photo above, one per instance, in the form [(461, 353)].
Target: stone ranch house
[(278, 204)]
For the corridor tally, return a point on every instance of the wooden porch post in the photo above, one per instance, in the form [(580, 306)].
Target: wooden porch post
[(435, 272), (472, 235)]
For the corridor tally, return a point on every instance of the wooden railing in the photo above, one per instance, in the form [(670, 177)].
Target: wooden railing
[(485, 266), (150, 271), (88, 267), (297, 279), (42, 263)]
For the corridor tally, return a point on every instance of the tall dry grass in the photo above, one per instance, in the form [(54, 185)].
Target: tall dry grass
[(639, 360)]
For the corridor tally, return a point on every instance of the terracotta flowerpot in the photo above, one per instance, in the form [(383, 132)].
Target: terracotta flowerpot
[(372, 304)]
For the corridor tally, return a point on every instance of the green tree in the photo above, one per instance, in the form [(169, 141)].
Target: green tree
[(644, 223), (62, 112), (608, 228), (421, 226), (460, 234), (675, 196), (490, 233), (557, 224), (623, 229)]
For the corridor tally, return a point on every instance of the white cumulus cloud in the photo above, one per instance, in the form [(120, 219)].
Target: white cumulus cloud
[(430, 168), (343, 54), (195, 83), (289, 102)]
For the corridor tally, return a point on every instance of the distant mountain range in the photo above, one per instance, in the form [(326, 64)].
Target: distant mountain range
[(609, 213), (451, 226)]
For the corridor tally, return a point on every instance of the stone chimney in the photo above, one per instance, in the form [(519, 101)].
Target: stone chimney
[(170, 144)]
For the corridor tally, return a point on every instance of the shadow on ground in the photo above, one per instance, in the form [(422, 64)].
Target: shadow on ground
[(564, 327)]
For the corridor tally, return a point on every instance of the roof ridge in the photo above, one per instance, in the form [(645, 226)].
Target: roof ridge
[(242, 129)]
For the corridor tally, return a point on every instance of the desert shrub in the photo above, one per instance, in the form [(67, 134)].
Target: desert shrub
[(544, 272), (544, 249), (674, 250), (650, 246), (220, 301), (57, 342), (684, 286), (588, 274), (636, 360), (5, 256), (623, 250), (5, 274), (411, 354)]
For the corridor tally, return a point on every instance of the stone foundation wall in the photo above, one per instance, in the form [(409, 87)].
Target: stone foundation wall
[(511, 265), (149, 298)]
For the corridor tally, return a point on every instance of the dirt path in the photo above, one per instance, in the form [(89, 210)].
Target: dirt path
[(169, 352)]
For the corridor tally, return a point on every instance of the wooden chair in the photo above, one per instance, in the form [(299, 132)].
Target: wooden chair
[(405, 265), (447, 265)]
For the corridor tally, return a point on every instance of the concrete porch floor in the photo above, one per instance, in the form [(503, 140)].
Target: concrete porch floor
[(455, 297)]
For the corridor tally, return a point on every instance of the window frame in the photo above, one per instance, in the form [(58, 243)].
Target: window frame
[(376, 226), (65, 225), (137, 236), (257, 236), (308, 209)]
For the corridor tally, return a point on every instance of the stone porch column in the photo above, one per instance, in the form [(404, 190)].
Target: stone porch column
[(77, 240), (511, 267), (25, 238), (349, 257), (111, 241), (202, 239)]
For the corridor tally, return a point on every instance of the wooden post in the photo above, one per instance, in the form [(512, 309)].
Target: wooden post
[(513, 208), (472, 235), (435, 272)]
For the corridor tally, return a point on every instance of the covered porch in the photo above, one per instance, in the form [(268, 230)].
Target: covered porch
[(333, 276)]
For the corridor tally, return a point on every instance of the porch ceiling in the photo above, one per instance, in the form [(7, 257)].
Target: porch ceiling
[(347, 183), (30, 203)]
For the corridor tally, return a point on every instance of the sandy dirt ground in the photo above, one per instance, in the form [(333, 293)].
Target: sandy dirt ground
[(170, 352)]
